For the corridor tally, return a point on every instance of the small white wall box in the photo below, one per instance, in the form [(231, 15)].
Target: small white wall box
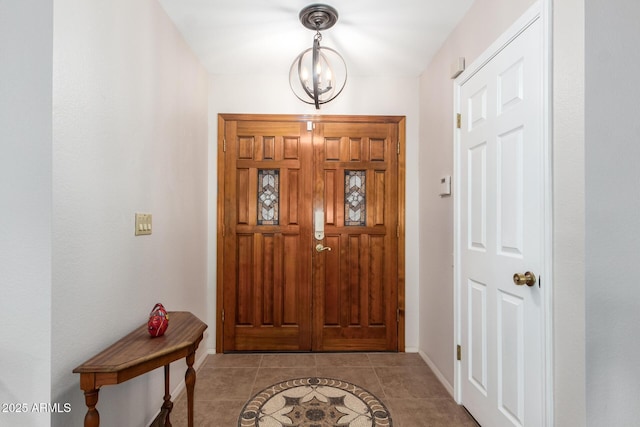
[(445, 185), (457, 67)]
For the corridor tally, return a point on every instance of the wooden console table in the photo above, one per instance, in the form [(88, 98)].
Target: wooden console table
[(138, 353)]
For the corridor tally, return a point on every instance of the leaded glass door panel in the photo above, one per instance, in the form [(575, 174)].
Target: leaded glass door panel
[(266, 235), (355, 283)]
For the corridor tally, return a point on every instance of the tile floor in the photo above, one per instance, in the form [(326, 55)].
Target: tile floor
[(405, 384)]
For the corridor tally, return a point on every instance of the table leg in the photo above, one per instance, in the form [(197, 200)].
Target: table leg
[(168, 404), (190, 381), (92, 418)]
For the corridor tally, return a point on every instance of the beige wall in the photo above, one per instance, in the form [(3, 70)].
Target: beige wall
[(107, 56), (485, 21), (129, 135), (393, 96)]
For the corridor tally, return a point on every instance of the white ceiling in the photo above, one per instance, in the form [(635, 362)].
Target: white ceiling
[(375, 37)]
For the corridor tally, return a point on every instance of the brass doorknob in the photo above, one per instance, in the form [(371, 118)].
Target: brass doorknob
[(527, 278), (321, 248)]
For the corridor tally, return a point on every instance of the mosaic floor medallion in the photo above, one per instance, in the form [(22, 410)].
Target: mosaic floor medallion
[(314, 402)]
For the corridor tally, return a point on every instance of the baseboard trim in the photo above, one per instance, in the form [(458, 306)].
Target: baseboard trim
[(437, 372)]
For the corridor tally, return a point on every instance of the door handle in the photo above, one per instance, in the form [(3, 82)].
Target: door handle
[(527, 278), (321, 248)]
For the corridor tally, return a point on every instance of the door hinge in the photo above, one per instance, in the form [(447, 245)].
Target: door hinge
[(224, 145), (222, 316), (459, 121), (398, 148), (397, 315), (398, 231), (459, 352)]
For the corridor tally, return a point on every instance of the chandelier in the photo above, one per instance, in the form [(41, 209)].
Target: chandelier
[(318, 74)]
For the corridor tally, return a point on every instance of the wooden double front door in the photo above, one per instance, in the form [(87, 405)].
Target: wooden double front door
[(310, 233)]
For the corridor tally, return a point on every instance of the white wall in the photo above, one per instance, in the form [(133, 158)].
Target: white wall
[(483, 23), (26, 27), (271, 94), (612, 212), (568, 216), (129, 135)]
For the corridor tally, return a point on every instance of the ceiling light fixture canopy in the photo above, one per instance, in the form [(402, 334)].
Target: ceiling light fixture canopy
[(318, 75)]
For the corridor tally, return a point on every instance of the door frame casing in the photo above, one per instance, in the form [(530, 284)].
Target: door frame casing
[(401, 180), (539, 10)]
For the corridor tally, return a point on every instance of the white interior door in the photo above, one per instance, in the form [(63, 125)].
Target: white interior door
[(500, 233)]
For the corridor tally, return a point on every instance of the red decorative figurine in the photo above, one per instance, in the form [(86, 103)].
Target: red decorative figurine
[(158, 321)]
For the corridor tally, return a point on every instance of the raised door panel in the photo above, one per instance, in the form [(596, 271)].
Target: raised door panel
[(355, 289), (267, 292)]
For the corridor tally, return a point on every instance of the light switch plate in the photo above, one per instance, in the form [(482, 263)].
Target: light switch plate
[(143, 224)]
